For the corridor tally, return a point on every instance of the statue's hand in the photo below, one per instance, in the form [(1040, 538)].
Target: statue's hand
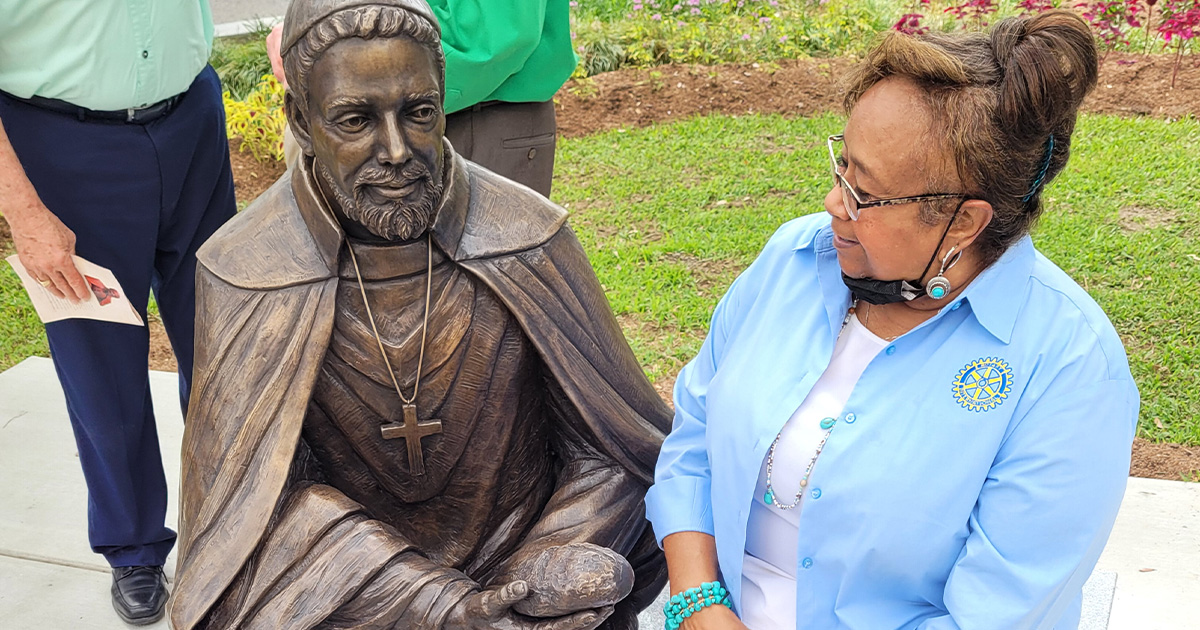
[(492, 610), (573, 578)]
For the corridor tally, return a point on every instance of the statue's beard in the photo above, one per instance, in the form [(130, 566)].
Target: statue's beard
[(395, 221)]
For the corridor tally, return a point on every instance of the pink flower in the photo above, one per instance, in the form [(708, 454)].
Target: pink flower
[(657, 17), (910, 24), (695, 11), (746, 37), (783, 39)]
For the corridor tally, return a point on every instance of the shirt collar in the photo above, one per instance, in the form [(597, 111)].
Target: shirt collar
[(994, 295), (997, 294)]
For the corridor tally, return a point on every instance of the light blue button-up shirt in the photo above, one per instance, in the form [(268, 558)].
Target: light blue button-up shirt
[(974, 475)]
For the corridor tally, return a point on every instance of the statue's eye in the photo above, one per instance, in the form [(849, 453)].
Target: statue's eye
[(423, 114), (352, 124)]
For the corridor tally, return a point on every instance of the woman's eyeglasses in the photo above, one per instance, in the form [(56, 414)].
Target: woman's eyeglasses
[(854, 203)]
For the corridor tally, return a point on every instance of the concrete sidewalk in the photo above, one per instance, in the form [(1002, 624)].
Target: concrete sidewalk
[(50, 580)]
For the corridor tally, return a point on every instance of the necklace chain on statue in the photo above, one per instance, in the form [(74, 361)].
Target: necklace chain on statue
[(411, 430)]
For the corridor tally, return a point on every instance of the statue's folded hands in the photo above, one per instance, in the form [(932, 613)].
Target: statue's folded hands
[(493, 609), (573, 577)]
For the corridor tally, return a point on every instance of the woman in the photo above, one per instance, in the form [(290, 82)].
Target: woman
[(904, 416)]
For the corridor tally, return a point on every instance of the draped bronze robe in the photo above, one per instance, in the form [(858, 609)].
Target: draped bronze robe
[(264, 543)]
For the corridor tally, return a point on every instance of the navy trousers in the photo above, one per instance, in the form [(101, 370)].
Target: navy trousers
[(141, 200)]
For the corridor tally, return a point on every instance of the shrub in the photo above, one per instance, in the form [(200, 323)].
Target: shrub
[(258, 119), (656, 32), (1180, 25), (240, 61)]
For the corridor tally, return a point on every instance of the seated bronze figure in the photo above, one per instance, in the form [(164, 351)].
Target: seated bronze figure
[(412, 405)]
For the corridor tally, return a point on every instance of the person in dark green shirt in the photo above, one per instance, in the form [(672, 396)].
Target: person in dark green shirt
[(505, 60)]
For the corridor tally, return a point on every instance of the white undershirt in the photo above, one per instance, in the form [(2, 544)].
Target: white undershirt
[(772, 536)]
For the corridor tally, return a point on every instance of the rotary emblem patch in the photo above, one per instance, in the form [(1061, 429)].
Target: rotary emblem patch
[(983, 384)]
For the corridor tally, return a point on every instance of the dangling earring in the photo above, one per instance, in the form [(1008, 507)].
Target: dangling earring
[(938, 286)]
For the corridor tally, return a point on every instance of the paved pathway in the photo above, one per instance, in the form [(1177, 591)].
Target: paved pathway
[(229, 11), (50, 580)]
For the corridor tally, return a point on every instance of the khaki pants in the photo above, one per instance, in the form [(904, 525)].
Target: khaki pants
[(515, 140)]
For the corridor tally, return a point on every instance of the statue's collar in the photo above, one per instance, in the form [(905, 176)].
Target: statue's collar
[(448, 225)]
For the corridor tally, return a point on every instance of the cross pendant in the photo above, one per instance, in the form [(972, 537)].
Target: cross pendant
[(412, 431)]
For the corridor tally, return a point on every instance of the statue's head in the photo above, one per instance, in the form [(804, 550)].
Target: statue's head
[(365, 90)]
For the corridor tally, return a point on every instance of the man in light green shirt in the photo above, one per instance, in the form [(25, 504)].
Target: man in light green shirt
[(113, 148), (103, 54)]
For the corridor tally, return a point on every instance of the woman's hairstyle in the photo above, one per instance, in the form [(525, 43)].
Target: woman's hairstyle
[(1003, 104)]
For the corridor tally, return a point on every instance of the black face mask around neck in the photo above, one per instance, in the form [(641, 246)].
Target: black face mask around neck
[(879, 292)]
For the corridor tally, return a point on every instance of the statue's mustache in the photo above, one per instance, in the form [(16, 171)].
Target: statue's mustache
[(380, 176)]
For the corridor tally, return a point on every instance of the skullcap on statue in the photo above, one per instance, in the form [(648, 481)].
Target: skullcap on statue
[(304, 14)]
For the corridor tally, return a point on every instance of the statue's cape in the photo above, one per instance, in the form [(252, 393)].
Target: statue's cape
[(265, 308)]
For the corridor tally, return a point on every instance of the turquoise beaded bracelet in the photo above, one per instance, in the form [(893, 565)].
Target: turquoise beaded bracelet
[(692, 601)]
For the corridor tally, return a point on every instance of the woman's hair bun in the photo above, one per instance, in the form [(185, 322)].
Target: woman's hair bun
[(1048, 64)]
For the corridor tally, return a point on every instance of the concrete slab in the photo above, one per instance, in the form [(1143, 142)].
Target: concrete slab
[(52, 597), (224, 11), (50, 579), (1155, 549), (46, 559)]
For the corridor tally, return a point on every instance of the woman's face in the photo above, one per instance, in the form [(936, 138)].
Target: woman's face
[(887, 153)]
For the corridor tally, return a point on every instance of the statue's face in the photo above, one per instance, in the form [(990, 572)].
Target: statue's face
[(375, 126)]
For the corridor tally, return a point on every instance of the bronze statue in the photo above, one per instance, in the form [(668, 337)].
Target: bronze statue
[(412, 405)]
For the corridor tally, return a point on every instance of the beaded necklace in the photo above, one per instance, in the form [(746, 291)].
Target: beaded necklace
[(828, 423)]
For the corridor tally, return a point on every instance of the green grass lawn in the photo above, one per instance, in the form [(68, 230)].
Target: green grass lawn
[(671, 214)]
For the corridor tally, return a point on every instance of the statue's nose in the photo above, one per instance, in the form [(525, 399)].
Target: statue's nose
[(393, 146)]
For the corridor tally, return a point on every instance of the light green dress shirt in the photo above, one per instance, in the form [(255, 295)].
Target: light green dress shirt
[(103, 54)]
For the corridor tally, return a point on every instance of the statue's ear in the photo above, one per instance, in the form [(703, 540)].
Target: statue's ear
[(298, 122)]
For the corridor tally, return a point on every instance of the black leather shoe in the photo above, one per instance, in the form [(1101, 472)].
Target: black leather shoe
[(139, 594)]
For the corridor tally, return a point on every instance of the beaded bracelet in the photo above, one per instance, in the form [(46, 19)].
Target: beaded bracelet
[(692, 601)]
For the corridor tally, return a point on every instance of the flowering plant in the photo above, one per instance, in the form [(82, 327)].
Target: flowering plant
[(976, 11), (1180, 25), (1112, 20), (258, 120)]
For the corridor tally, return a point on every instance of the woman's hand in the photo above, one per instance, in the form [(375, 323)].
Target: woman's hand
[(692, 561)]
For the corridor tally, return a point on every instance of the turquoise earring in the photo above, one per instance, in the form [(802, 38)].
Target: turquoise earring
[(938, 286)]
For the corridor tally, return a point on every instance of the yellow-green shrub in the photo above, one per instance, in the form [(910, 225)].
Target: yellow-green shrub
[(258, 119)]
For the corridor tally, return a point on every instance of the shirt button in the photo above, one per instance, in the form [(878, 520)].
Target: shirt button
[(956, 305), (807, 563), (850, 418), (532, 153), (816, 493), (891, 350), (145, 54)]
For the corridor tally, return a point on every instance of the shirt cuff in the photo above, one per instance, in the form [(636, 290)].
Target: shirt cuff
[(680, 504)]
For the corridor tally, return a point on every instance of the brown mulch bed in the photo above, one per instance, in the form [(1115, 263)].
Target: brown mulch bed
[(251, 177), (1128, 85), (1165, 461)]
